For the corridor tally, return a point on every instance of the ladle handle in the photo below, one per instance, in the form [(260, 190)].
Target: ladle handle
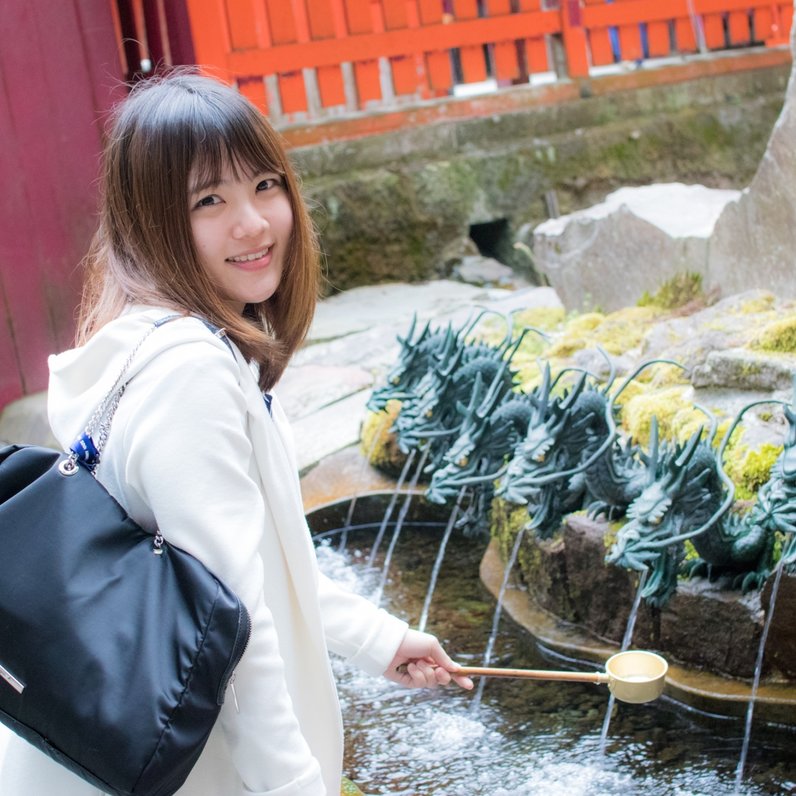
[(534, 674)]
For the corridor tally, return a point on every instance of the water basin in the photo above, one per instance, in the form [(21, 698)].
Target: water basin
[(526, 737)]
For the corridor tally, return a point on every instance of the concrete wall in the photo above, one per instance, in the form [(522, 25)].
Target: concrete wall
[(401, 205)]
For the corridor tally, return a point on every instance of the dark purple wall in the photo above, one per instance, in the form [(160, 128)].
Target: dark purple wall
[(59, 73)]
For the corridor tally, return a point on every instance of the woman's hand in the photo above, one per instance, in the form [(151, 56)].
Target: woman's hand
[(420, 662)]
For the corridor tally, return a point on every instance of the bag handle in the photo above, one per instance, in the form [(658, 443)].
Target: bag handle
[(87, 448)]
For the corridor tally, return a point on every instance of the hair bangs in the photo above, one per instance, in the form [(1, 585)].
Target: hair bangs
[(237, 141)]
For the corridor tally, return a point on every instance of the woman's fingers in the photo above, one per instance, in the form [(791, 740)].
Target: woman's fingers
[(425, 674)]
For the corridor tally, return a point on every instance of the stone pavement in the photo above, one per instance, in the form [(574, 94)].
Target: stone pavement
[(351, 345)]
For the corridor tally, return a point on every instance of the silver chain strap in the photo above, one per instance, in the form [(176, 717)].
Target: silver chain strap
[(100, 421)]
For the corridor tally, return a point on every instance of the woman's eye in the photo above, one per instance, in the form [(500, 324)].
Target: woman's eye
[(207, 201), (268, 183)]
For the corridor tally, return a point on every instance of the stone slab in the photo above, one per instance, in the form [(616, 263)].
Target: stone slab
[(305, 389), (755, 237), (363, 308), (609, 254), (745, 370), (329, 430)]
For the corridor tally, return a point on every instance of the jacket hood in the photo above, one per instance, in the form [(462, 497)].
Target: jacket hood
[(81, 377)]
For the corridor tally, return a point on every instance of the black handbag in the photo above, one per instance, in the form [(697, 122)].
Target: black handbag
[(116, 648)]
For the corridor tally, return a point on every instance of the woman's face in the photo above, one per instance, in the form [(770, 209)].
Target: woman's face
[(241, 228)]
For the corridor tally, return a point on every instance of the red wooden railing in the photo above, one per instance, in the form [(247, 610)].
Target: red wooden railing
[(314, 59)]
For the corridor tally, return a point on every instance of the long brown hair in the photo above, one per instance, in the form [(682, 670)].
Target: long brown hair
[(143, 251)]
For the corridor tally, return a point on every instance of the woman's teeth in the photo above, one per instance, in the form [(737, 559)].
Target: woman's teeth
[(247, 258)]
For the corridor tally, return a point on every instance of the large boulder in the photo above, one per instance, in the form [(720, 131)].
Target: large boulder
[(608, 255), (754, 243)]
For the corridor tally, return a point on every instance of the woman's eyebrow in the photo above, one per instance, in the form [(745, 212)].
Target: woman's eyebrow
[(205, 184)]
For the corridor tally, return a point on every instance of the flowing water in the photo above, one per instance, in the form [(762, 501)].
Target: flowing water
[(528, 737), (475, 705), (437, 568), (739, 773), (388, 513), (626, 641), (363, 468), (385, 568)]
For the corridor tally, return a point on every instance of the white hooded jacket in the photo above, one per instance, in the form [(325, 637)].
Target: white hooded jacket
[(194, 450)]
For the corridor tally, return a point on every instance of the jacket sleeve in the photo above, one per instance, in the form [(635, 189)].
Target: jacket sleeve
[(355, 628), (188, 457)]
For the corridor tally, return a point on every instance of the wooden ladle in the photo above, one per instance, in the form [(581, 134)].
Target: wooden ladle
[(633, 676)]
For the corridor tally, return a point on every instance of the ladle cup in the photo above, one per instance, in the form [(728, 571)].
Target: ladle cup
[(633, 676)]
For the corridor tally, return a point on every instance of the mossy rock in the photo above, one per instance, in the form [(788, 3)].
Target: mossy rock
[(508, 519), (379, 443), (616, 332), (676, 292), (748, 468), (778, 337), (677, 417)]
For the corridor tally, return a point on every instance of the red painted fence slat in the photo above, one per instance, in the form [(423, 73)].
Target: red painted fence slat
[(658, 38)]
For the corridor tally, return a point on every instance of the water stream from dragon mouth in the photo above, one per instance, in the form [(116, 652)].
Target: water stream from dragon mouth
[(391, 506), (626, 641), (739, 773), (362, 469), (490, 645), (385, 570), (443, 545)]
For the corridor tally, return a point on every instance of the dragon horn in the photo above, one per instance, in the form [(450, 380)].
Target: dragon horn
[(611, 369), (571, 369), (485, 311), (544, 393), (637, 371), (714, 423), (521, 336), (573, 396), (652, 466)]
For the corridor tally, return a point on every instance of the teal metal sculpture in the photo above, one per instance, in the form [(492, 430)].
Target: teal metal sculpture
[(558, 450)]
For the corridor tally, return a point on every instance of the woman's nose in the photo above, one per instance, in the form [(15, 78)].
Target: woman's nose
[(249, 222)]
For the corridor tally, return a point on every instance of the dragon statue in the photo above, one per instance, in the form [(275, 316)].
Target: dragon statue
[(683, 497), (417, 358), (431, 416), (743, 547), (492, 423), (563, 433), (559, 451)]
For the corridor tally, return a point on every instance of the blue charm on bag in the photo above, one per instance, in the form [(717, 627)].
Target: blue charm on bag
[(85, 450)]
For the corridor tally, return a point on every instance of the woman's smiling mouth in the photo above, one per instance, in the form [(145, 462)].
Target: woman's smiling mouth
[(243, 259)]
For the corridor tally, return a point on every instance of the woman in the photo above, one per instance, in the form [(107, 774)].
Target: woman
[(202, 218)]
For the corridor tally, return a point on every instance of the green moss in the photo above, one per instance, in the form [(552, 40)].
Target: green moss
[(675, 292), (617, 332), (611, 532), (544, 318), (507, 519), (677, 416), (779, 336), (762, 303), (749, 469), (690, 551), (348, 788), (377, 441)]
